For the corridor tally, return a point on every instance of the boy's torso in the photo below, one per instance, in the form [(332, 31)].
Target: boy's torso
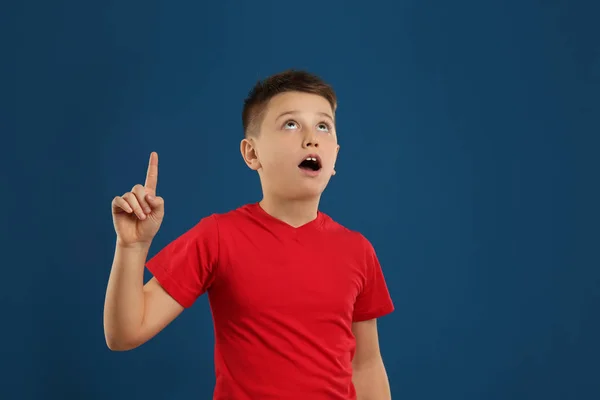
[(282, 301)]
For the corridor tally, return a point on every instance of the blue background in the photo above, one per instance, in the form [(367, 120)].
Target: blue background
[(469, 139)]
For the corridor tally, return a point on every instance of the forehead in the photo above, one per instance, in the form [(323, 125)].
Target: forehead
[(298, 102)]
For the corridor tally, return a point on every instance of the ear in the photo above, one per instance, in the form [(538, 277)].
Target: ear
[(249, 154), (337, 150)]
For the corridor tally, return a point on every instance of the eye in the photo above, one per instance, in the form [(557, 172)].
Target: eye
[(324, 127), (290, 125)]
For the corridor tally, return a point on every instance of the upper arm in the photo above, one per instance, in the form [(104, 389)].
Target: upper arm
[(367, 343), (186, 267), (160, 309), (373, 300)]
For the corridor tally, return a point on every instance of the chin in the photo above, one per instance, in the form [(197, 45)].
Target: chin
[(309, 191)]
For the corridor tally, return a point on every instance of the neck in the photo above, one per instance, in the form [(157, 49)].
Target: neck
[(293, 212)]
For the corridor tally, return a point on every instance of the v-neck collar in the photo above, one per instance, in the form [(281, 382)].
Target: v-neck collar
[(316, 223)]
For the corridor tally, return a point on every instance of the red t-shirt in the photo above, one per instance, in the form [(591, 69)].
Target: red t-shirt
[(283, 300)]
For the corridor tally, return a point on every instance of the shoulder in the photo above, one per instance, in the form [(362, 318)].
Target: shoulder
[(233, 216), (223, 221), (350, 237)]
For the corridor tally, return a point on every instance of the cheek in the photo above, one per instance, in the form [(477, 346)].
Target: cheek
[(331, 157), (273, 159)]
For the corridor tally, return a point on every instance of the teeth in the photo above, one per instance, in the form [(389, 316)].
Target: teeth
[(311, 159)]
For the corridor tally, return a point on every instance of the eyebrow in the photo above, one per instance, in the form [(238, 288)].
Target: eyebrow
[(297, 112)]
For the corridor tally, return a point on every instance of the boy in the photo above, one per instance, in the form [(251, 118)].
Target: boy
[(294, 295)]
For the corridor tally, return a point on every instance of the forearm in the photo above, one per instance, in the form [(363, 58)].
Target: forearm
[(124, 302), (371, 381)]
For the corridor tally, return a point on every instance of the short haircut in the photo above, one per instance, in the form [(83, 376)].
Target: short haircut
[(287, 81)]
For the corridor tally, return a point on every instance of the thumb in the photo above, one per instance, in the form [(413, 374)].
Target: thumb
[(156, 202)]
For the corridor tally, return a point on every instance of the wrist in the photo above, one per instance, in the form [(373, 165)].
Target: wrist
[(141, 247)]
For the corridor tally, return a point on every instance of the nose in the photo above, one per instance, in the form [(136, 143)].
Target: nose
[(310, 139)]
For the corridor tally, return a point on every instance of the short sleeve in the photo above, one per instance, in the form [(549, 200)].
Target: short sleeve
[(185, 268), (374, 300)]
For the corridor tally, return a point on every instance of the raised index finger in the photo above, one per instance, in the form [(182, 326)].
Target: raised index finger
[(152, 174)]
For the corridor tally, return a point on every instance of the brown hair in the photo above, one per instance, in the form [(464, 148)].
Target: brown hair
[(287, 81)]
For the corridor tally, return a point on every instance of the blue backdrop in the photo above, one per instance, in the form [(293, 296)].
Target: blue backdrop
[(469, 141)]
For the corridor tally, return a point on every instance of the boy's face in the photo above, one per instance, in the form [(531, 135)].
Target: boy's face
[(295, 126)]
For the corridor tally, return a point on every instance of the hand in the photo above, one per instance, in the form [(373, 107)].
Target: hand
[(137, 215)]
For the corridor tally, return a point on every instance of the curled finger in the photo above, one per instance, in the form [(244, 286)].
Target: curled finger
[(119, 204), (131, 199), (140, 194)]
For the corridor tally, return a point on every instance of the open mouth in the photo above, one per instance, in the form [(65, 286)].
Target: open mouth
[(311, 163)]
